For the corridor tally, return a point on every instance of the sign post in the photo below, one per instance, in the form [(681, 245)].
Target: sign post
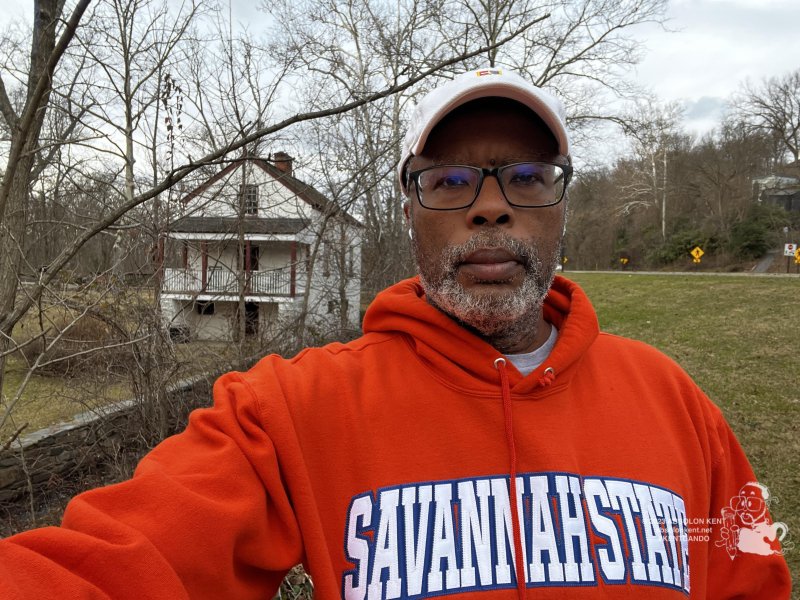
[(790, 249)]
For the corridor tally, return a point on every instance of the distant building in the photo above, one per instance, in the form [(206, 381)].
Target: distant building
[(781, 189), (250, 230)]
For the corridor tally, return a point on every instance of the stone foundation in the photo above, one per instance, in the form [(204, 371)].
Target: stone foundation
[(88, 443)]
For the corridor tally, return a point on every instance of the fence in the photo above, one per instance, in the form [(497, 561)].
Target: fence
[(275, 282)]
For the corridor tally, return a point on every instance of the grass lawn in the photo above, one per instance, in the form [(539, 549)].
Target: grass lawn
[(47, 400), (739, 338)]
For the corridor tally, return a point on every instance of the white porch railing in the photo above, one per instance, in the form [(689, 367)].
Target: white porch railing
[(276, 282)]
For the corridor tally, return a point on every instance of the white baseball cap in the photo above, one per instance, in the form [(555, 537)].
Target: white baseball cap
[(481, 83)]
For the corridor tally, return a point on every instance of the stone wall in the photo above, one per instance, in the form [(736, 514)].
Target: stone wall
[(89, 443)]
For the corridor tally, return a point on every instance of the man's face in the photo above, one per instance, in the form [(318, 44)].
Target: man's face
[(488, 265)]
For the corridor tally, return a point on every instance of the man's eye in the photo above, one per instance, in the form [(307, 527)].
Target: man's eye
[(526, 177), (451, 181)]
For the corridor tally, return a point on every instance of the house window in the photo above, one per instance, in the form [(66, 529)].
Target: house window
[(204, 308), (249, 198)]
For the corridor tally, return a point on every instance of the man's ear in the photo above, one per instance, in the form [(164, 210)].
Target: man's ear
[(407, 212)]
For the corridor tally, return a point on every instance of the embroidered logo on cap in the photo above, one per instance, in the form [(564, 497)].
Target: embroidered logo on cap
[(489, 72)]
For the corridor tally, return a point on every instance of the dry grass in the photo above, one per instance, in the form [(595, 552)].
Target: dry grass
[(48, 400)]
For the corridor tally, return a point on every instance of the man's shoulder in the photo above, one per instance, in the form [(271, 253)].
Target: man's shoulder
[(619, 343), (628, 353), (355, 353), (366, 344), (639, 370)]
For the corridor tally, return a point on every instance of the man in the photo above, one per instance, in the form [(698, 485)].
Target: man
[(481, 439)]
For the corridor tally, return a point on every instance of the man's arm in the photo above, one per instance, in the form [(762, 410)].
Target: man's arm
[(206, 515), (738, 569)]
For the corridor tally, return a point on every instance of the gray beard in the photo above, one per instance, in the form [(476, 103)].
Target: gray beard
[(503, 319)]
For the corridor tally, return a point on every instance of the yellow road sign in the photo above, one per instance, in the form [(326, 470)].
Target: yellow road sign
[(697, 253), (797, 256)]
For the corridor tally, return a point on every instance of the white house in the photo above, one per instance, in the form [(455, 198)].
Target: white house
[(783, 191), (255, 232)]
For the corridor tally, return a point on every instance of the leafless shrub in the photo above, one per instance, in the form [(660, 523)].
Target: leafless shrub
[(89, 344)]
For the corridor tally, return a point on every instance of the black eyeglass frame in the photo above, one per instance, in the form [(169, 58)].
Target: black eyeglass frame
[(495, 172)]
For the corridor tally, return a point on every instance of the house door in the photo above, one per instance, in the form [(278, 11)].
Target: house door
[(251, 318), (254, 255)]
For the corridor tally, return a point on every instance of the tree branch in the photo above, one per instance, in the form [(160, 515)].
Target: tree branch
[(7, 110), (33, 106), (179, 173)]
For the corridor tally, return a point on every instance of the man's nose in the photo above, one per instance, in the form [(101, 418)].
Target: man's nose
[(491, 206)]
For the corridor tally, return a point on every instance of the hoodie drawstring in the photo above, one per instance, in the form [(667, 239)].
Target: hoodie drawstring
[(547, 377), (500, 365)]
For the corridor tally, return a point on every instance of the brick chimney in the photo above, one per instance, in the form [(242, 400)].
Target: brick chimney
[(283, 162)]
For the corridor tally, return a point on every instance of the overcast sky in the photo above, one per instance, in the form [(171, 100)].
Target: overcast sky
[(715, 46)]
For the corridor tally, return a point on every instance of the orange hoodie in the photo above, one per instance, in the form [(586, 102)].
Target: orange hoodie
[(387, 466)]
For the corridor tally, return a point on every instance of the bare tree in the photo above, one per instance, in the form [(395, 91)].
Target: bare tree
[(132, 45), (773, 107), (234, 83), (722, 171), (582, 50), (618, 212), (653, 130), (350, 49), (25, 132), (577, 47), (25, 126)]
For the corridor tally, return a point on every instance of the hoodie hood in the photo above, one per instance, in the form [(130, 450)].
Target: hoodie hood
[(465, 360)]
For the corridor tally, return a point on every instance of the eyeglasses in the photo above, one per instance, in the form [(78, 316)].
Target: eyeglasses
[(524, 184)]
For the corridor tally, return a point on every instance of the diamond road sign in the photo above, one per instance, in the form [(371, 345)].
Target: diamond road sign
[(697, 253)]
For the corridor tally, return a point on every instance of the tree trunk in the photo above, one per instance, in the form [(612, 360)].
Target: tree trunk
[(15, 192), (664, 196)]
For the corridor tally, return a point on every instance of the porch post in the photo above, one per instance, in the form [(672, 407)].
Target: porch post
[(247, 256), (292, 284), (247, 265), (204, 264)]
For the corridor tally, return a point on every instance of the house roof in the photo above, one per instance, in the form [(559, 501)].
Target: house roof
[(231, 224), (777, 181), (302, 190)]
